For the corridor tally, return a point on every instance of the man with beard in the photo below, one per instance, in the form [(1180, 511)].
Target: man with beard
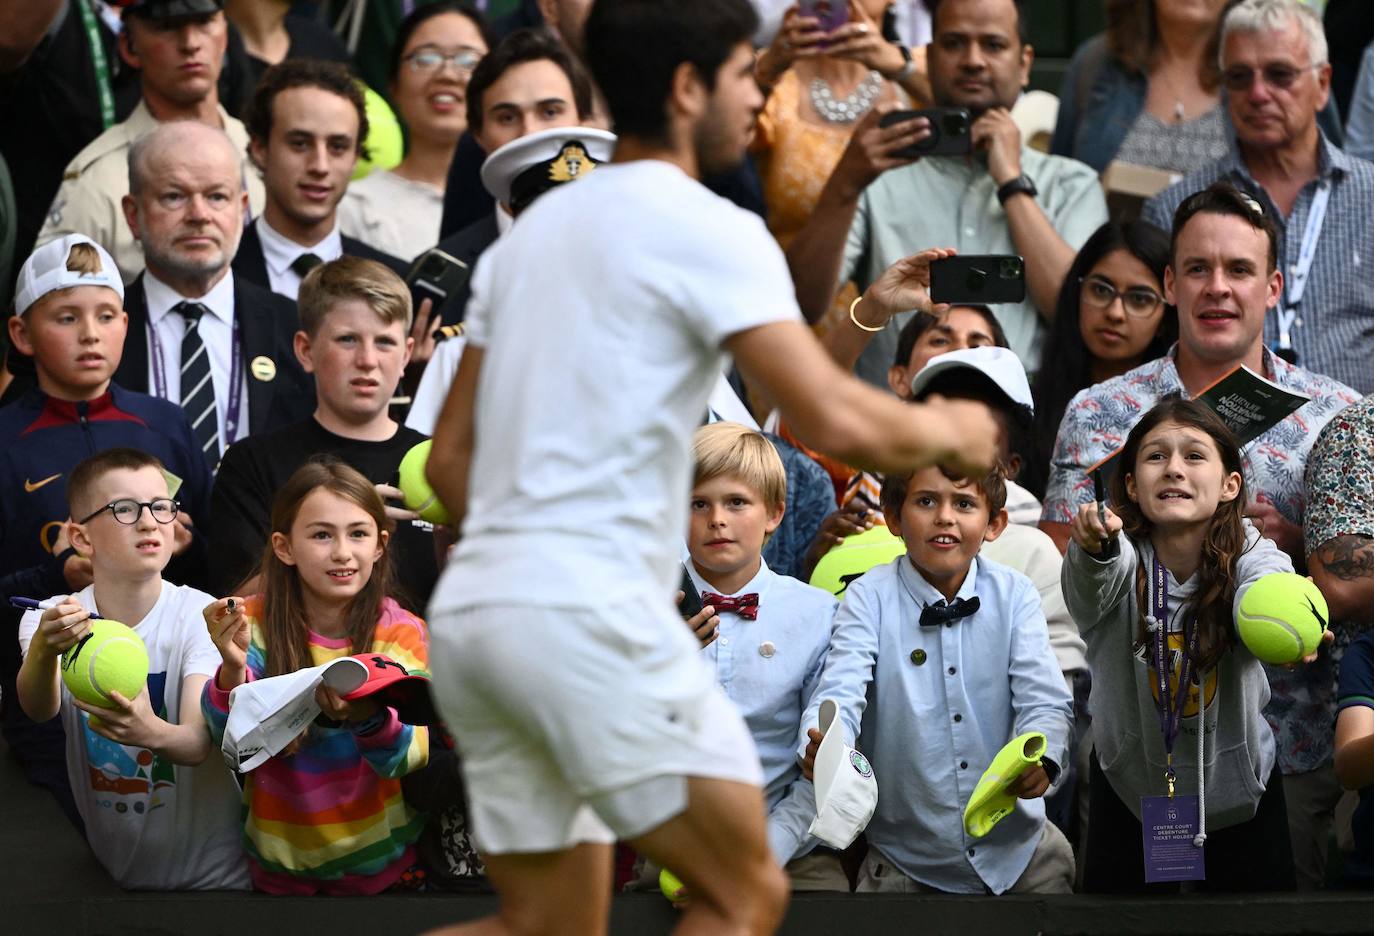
[(217, 345)]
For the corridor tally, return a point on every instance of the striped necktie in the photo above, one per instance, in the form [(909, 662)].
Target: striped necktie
[(197, 389)]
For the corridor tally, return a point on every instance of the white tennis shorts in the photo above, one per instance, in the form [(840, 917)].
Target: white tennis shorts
[(581, 725)]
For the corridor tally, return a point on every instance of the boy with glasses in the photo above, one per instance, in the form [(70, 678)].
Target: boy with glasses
[(160, 811)]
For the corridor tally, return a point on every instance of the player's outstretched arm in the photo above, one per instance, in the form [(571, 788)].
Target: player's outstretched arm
[(451, 455)]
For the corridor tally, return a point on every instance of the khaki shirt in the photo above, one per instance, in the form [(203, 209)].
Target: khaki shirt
[(97, 179)]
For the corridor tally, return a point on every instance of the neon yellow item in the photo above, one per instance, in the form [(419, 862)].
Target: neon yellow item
[(855, 556), (672, 888), (111, 658), (385, 145), (419, 496), (990, 801), (1282, 618)]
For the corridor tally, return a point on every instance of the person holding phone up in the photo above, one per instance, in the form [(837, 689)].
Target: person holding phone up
[(886, 200)]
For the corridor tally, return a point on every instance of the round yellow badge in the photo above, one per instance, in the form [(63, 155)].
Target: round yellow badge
[(263, 368)]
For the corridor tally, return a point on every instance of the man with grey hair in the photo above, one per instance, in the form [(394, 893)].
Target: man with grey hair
[(178, 48), (220, 348), (1277, 78)]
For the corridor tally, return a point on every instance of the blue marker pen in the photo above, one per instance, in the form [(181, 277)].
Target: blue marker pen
[(33, 604)]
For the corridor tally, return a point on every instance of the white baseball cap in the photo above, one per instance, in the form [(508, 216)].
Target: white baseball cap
[(527, 166), (266, 715), (1000, 365), (46, 271), (846, 790)]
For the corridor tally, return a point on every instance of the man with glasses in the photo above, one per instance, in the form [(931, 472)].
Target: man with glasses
[(1224, 279), (1277, 79)]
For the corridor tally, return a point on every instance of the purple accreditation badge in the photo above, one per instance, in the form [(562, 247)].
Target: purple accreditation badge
[(1168, 825)]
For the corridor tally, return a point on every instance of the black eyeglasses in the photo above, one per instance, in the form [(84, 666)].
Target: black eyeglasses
[(1282, 77), (126, 510), (431, 60), (1139, 301)]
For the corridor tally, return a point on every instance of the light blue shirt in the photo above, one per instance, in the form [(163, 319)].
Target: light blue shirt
[(769, 668), (930, 729)]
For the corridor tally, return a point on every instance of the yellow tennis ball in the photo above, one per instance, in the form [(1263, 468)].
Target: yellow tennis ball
[(672, 888), (385, 145), (110, 658), (855, 556), (419, 496), (1282, 618)]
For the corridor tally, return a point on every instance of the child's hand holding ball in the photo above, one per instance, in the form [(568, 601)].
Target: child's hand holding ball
[(61, 627)]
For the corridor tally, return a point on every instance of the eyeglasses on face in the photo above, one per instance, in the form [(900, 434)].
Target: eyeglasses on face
[(126, 510), (1278, 76), (1139, 301), (428, 59)]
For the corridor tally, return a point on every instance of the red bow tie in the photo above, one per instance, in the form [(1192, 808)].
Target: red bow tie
[(746, 606)]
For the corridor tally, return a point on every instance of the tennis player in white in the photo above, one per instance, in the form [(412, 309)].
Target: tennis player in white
[(581, 706)]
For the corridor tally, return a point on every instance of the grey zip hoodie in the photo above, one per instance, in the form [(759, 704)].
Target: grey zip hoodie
[(1239, 745)]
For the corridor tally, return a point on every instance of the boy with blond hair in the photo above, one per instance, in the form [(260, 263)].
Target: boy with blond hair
[(355, 339), (69, 317), (765, 635), (952, 652), (160, 811)]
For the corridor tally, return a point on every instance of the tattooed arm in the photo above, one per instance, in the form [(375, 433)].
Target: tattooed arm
[(1343, 568)]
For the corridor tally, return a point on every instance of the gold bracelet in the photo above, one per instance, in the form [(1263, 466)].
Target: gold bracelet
[(860, 325)]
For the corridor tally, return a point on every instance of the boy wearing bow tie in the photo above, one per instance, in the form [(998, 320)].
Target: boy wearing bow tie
[(953, 653), (764, 634)]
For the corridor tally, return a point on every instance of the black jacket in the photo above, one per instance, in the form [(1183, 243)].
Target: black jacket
[(467, 245), (250, 264), (267, 325)]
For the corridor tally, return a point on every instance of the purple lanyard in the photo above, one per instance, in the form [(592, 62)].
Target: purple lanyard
[(231, 419), (1170, 711)]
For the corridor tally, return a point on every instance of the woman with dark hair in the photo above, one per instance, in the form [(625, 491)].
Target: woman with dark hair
[(398, 211), (1111, 317), (1147, 91)]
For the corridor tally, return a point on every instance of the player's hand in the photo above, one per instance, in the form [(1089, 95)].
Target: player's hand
[(1087, 529), (969, 434), (61, 627), (340, 709), (1274, 526), (1032, 783), (182, 528), (997, 134), (389, 492), (813, 746), (230, 631), (128, 721), (1327, 637), (705, 624), (872, 149), (902, 287)]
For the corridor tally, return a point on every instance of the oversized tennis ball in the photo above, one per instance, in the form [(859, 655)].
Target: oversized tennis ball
[(110, 658), (1282, 618), (672, 888), (855, 556), (419, 496), (385, 146)]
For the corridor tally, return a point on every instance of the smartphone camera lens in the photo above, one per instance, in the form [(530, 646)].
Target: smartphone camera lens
[(1012, 268), (956, 124)]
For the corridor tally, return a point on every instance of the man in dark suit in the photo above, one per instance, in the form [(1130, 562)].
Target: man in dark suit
[(218, 346), (306, 123)]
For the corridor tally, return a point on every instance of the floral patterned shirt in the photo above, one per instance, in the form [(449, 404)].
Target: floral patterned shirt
[(1301, 706)]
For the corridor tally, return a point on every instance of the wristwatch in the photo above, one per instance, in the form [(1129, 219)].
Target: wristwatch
[(908, 66), (1016, 186)]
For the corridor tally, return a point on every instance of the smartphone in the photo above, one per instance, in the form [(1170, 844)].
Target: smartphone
[(980, 280), (831, 14), (436, 275), (950, 132), (691, 599)]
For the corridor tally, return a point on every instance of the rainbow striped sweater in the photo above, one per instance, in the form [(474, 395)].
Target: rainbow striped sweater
[(330, 817)]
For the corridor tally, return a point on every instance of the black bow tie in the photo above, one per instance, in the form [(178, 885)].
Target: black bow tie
[(948, 612)]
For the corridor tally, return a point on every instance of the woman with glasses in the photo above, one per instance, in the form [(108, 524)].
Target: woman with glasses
[(398, 211), (1148, 90), (1111, 317)]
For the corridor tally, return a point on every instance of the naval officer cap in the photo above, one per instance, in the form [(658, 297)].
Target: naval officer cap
[(527, 167)]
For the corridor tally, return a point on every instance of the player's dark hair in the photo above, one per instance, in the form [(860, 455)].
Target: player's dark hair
[(521, 46), (420, 15), (333, 77), (634, 47), (1223, 198), (922, 322)]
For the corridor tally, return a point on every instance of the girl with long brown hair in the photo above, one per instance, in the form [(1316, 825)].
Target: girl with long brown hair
[(1153, 583), (326, 815)]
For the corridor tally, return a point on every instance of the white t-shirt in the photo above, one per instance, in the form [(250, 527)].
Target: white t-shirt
[(155, 825), (395, 215), (601, 316)]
